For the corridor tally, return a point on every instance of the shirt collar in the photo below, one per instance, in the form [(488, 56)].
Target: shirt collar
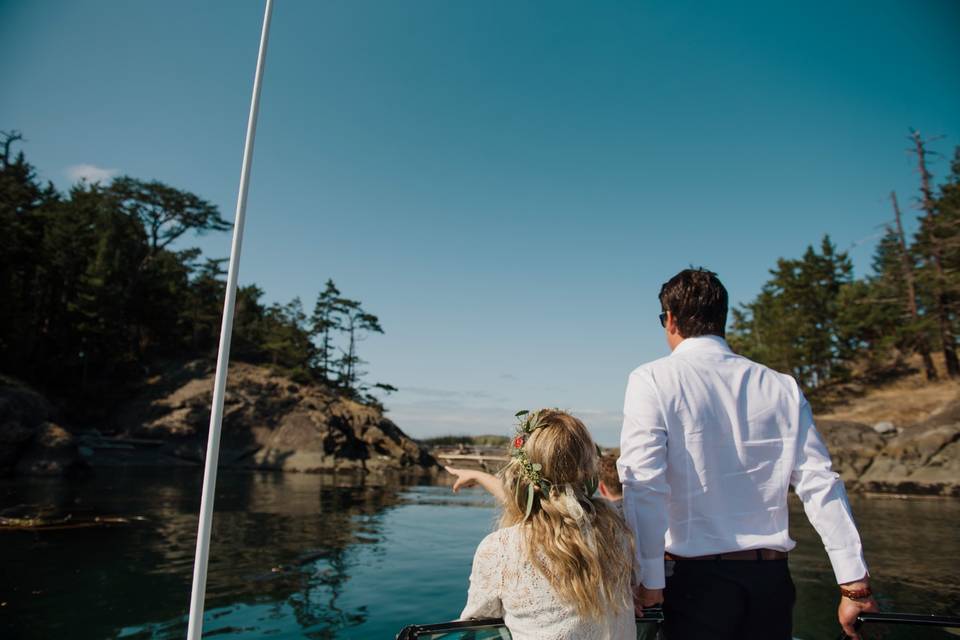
[(703, 343)]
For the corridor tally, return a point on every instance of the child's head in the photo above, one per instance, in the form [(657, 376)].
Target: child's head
[(573, 538), (610, 486)]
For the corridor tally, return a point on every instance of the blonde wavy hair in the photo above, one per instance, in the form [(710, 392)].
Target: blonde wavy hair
[(577, 542)]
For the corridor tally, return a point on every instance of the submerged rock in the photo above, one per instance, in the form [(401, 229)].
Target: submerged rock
[(51, 452)]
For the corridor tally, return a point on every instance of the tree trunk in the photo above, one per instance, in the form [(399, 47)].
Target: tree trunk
[(325, 351), (920, 343), (350, 356)]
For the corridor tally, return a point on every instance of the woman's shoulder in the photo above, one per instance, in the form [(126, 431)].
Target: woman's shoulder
[(502, 537), (501, 542), (495, 547)]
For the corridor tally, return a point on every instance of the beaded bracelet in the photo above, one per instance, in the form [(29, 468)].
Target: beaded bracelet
[(856, 594)]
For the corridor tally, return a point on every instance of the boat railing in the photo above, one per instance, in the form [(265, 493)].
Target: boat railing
[(494, 628), (911, 619)]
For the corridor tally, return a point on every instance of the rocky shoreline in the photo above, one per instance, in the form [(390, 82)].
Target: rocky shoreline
[(270, 423), (273, 423), (917, 459)]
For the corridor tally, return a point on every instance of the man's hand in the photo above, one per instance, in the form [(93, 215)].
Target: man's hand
[(644, 598), (849, 609)]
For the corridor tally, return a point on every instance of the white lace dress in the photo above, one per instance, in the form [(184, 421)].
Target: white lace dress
[(504, 584)]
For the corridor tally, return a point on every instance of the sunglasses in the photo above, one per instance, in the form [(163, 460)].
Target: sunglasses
[(663, 319)]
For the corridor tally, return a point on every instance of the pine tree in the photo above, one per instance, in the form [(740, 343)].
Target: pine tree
[(327, 319), (935, 239), (356, 324), (795, 324)]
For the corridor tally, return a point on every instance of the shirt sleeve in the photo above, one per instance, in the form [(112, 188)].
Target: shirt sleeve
[(825, 501), (483, 597), (642, 467)]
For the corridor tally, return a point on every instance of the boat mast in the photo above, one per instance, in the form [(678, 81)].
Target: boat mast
[(195, 625)]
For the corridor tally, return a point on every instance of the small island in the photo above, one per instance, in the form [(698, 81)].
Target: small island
[(109, 331)]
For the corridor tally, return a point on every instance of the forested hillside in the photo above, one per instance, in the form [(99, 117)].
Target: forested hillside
[(815, 320), (99, 286)]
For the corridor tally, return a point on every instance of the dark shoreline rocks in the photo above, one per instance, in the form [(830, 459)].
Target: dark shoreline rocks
[(31, 444), (915, 459), (270, 423)]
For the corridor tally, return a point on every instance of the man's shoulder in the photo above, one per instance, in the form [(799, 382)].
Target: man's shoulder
[(666, 369), (762, 370), (652, 367)]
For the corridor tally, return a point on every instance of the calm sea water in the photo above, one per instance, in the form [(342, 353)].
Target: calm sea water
[(310, 556)]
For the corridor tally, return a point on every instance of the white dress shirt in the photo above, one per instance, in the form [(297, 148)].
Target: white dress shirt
[(711, 443)]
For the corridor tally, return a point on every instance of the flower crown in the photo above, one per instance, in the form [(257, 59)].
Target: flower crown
[(527, 423)]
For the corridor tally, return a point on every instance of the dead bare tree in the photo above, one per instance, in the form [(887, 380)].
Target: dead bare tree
[(8, 138)]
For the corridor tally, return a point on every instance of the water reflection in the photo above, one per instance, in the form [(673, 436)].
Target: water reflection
[(278, 540), (913, 552), (314, 556)]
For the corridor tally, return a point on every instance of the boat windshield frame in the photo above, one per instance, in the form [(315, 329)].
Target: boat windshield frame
[(414, 631)]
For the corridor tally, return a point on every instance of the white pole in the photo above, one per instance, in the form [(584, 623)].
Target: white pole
[(195, 626)]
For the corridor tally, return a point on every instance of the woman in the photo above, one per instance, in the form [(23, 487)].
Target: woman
[(559, 566)]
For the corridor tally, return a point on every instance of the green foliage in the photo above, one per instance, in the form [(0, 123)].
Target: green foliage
[(814, 320), (325, 322), (164, 212), (94, 293), (356, 323), (796, 324)]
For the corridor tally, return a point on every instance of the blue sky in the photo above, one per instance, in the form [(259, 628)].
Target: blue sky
[(506, 184)]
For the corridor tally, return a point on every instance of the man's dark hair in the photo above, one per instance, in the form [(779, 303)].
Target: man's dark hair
[(698, 301)]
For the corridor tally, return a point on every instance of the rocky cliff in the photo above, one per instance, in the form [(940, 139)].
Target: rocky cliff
[(269, 422), (918, 458)]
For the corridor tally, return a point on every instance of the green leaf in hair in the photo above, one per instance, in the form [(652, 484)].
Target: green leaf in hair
[(529, 501)]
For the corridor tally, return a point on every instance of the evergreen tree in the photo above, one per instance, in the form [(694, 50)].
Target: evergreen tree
[(327, 319), (356, 323), (286, 338), (205, 307), (871, 311), (795, 324), (166, 213), (936, 243)]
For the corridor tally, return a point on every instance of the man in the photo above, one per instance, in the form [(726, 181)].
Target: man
[(711, 443)]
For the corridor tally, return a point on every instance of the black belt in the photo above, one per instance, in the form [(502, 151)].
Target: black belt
[(749, 554)]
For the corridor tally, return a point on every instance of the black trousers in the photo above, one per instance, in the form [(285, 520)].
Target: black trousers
[(729, 599)]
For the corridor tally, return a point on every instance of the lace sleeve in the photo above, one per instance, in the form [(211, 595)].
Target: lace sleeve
[(483, 598)]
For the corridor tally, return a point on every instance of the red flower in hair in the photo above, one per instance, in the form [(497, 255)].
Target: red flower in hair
[(518, 442)]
